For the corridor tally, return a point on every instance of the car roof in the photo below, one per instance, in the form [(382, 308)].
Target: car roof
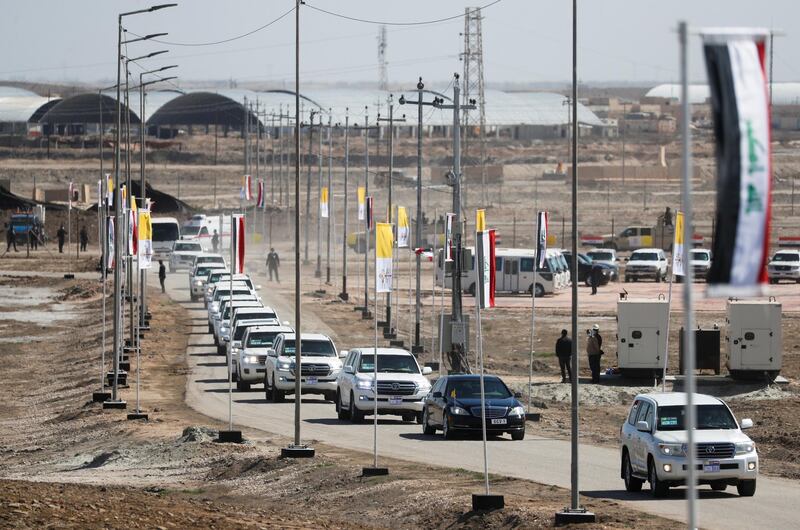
[(647, 249), (470, 377), (255, 322), (599, 249), (211, 255), (286, 330), (307, 336), (382, 351), (679, 398), (787, 251)]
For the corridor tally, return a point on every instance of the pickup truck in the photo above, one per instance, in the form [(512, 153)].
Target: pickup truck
[(633, 237)]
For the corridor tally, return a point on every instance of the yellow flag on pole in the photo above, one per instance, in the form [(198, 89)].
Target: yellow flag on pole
[(362, 194), (480, 221), (678, 266), (323, 202), (402, 227), (383, 257)]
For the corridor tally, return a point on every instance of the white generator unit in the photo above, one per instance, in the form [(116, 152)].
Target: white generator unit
[(754, 338), (641, 336)]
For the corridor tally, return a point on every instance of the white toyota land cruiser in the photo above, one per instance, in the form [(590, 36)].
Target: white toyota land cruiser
[(653, 443), (320, 365), (402, 385)]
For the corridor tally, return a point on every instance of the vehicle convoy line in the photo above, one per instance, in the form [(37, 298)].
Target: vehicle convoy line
[(536, 458)]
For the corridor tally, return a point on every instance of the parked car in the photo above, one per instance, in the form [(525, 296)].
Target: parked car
[(320, 365), (700, 262), (653, 445), (585, 265), (183, 255), (607, 256), (646, 263), (249, 364), (784, 265), (401, 385), (454, 406)]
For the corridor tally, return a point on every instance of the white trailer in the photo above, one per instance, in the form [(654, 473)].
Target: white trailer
[(754, 339), (641, 336)]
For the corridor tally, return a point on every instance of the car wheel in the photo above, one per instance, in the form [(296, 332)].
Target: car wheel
[(418, 418), (210, 328), (746, 488), (471, 290), (631, 483), (409, 417), (539, 290), (627, 280), (658, 277), (242, 386), (277, 395), (518, 435), (267, 390), (356, 416), (447, 432), (773, 281), (719, 486), (341, 412), (657, 488), (427, 430)]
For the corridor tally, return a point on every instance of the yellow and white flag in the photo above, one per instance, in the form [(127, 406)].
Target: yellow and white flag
[(402, 227), (383, 258), (362, 203), (109, 190), (145, 239), (323, 202), (678, 266), (480, 220)]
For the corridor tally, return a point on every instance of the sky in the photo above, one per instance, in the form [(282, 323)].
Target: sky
[(525, 41)]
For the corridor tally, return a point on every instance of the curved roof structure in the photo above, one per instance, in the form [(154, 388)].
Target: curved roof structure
[(85, 108), (782, 93)]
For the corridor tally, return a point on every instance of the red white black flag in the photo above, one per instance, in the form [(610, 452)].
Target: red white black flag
[(541, 239), (740, 109), (486, 267), (237, 246), (370, 213), (260, 194)]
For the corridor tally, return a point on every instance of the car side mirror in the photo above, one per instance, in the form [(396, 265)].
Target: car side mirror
[(642, 426), (271, 352), (518, 395), (349, 370), (437, 394), (343, 354), (258, 287), (627, 260), (747, 423), (427, 370)]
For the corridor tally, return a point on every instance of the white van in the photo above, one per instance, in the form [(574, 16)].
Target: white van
[(166, 231), (514, 272), (202, 226)]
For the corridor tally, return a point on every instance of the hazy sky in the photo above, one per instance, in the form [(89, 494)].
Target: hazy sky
[(524, 40)]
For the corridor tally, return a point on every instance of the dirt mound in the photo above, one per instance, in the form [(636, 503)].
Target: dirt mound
[(100, 460), (81, 291), (232, 468), (195, 433)]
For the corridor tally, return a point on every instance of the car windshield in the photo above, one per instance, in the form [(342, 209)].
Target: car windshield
[(786, 256), (250, 315), (644, 256), (215, 277), (671, 418), (165, 232), (601, 256), (263, 339), (583, 258), (190, 230), (221, 293), (311, 348), (202, 271), (208, 259), (471, 389), (700, 256), (400, 364), (188, 247)]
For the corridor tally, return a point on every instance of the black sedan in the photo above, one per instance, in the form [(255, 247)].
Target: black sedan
[(585, 264), (454, 406)]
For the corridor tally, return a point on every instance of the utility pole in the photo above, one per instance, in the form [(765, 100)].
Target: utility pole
[(343, 295), (457, 356), (330, 201), (417, 346), (389, 217), (308, 183), (272, 158), (318, 270)]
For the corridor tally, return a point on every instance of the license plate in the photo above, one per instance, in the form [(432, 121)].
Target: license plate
[(711, 467), (311, 380), (395, 400), (499, 421)]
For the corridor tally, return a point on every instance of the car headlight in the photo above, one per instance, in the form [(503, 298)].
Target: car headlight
[(745, 448), (235, 350), (668, 449), (458, 411), (364, 384), (284, 366), (517, 411), (251, 359), (198, 283)]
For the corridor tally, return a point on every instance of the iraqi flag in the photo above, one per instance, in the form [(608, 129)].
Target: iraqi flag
[(260, 195), (486, 267), (448, 237), (541, 239), (369, 213), (237, 246), (246, 193), (110, 258), (740, 109)]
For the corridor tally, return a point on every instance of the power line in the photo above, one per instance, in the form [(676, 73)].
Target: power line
[(390, 23), (223, 41)]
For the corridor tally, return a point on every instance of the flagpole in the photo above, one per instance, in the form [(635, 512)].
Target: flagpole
[(691, 493), (533, 315), (669, 314), (478, 298), (433, 288), (235, 235)]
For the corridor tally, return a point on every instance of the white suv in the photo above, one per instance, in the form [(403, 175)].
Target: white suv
[(320, 365), (402, 386), (784, 265), (249, 366), (646, 263), (199, 278), (183, 254), (654, 441)]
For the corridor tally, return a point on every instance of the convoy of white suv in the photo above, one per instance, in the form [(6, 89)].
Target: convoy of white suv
[(646, 263)]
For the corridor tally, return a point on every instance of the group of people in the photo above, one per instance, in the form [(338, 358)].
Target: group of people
[(594, 351), (36, 237)]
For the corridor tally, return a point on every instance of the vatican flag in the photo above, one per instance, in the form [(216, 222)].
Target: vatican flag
[(323, 202), (402, 227), (362, 207), (383, 258), (480, 220)]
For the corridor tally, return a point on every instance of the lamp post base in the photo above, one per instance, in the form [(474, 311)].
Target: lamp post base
[(487, 503), (137, 416), (100, 397), (374, 471), (229, 437), (344, 296), (297, 451), (533, 416), (69, 276), (570, 516), (119, 404)]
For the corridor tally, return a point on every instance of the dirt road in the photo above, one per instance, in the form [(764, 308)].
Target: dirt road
[(537, 458)]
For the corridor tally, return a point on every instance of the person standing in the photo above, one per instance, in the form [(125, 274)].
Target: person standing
[(564, 354), (162, 275), (273, 262), (595, 277), (215, 241), (33, 235), (11, 238), (594, 343), (61, 235), (84, 235)]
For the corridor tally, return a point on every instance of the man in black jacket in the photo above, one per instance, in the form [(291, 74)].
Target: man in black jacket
[(564, 354), (162, 274)]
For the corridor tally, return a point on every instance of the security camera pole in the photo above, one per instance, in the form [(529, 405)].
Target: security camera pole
[(417, 347), (457, 356)]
